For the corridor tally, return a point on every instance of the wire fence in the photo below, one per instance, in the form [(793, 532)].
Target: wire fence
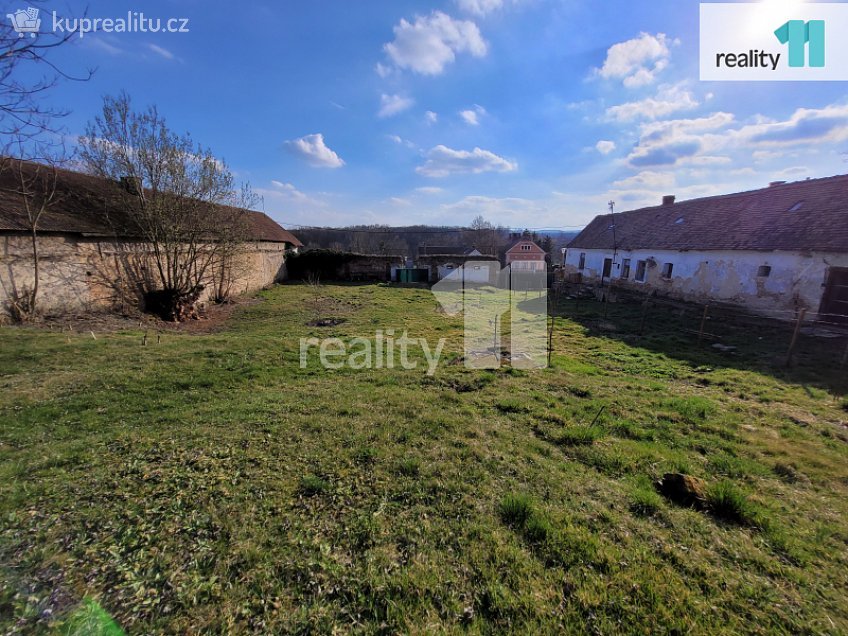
[(779, 336)]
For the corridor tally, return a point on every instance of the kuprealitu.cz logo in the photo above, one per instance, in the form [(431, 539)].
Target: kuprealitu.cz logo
[(28, 22)]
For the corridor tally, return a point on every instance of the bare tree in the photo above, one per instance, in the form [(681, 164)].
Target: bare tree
[(176, 197), (34, 185), (484, 235), (27, 73)]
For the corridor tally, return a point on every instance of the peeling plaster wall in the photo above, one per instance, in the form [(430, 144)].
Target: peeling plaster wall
[(796, 279), (80, 274)]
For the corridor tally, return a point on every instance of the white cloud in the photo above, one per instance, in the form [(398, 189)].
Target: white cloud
[(315, 152), (669, 99), (507, 209), (382, 70), (429, 190), (430, 43), (401, 141), (637, 62), (605, 147), (400, 201), (161, 51), (479, 7), (443, 161), (472, 117), (430, 117), (391, 105), (289, 189), (707, 140), (646, 180)]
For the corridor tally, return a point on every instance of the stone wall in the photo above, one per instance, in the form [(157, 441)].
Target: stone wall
[(78, 274)]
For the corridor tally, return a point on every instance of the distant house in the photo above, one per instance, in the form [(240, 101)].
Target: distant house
[(774, 250), (442, 261), (88, 262), (525, 255), (447, 250)]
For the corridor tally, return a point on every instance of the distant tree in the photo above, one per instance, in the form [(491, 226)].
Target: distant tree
[(179, 199)]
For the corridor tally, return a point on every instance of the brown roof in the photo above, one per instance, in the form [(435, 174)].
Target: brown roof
[(535, 247), (805, 215), (84, 202)]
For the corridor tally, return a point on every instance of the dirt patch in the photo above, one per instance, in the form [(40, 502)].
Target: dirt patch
[(326, 322), (211, 319)]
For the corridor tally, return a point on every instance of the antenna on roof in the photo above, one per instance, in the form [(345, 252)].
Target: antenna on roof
[(614, 243)]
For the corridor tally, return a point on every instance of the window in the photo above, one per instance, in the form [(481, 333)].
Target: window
[(582, 261), (667, 269), (625, 268), (526, 248), (764, 271), (607, 267), (641, 270)]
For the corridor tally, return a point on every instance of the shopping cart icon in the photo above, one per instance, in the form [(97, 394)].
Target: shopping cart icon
[(25, 22)]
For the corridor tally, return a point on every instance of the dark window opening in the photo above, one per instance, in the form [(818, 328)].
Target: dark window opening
[(607, 267), (764, 271), (667, 269), (582, 261), (625, 269), (641, 269)]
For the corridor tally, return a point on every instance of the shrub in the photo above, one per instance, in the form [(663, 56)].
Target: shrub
[(515, 509)]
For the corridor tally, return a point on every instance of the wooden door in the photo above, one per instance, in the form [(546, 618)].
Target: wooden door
[(834, 306)]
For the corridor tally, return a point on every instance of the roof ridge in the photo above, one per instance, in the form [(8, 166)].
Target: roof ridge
[(729, 195)]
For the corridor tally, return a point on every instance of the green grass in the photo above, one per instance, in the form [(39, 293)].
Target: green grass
[(208, 484)]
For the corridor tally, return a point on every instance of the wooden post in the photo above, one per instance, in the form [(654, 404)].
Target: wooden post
[(703, 324), (795, 335), (644, 317)]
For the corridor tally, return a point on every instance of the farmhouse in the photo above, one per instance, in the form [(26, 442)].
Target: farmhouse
[(774, 251), (87, 262), (527, 256)]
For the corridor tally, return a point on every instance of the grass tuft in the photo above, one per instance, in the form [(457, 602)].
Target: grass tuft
[(515, 509), (410, 467), (312, 485), (726, 501), (579, 435)]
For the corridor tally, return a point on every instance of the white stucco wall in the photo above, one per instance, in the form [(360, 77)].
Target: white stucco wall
[(796, 279)]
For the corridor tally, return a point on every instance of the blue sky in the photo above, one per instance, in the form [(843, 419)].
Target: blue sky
[(533, 113)]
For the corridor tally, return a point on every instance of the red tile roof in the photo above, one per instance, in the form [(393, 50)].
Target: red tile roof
[(85, 202), (809, 215), (534, 249)]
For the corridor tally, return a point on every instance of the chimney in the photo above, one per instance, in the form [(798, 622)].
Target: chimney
[(131, 185), (669, 199), (776, 183)]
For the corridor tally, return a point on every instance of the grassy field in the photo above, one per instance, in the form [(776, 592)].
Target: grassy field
[(208, 484)]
